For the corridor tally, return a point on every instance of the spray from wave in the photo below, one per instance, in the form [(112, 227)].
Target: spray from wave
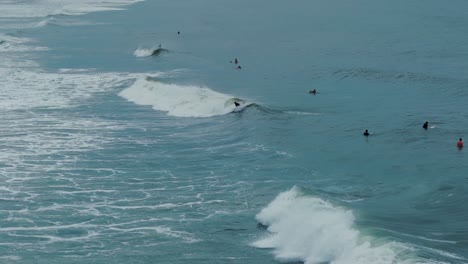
[(179, 100), (309, 229)]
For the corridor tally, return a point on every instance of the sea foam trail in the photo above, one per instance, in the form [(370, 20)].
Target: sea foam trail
[(309, 229), (179, 100)]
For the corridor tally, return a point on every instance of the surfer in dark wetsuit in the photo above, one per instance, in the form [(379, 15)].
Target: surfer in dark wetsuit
[(366, 133), (313, 91), (426, 125), (236, 61), (236, 104), (239, 67)]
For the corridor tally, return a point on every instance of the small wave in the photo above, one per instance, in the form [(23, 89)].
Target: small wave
[(10, 47), (309, 229), (146, 52), (53, 21), (301, 113), (45, 22), (388, 76), (10, 43), (180, 100), (12, 39)]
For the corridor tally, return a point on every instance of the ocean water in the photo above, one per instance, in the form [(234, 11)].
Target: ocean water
[(115, 149)]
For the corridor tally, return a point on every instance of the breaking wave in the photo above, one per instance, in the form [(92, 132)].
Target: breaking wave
[(180, 100), (146, 52), (308, 229)]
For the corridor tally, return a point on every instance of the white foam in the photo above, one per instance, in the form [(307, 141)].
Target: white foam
[(32, 135), (11, 258), (144, 52), (61, 22), (23, 89), (178, 100), (12, 47), (15, 44), (9, 38), (44, 8), (312, 230)]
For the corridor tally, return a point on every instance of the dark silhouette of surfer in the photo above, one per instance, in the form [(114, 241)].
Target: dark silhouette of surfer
[(366, 133), (239, 67), (460, 143), (426, 125), (236, 104), (313, 91), (236, 61)]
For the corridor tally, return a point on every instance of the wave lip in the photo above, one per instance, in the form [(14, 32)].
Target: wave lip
[(309, 229), (179, 100)]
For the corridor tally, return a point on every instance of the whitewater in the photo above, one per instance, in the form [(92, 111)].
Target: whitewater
[(130, 135)]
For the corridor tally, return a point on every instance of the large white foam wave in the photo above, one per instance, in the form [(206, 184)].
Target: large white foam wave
[(178, 100), (309, 229)]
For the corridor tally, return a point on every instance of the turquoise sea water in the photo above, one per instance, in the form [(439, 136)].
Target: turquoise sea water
[(112, 155)]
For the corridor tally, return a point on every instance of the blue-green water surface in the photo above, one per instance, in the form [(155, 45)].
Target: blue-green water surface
[(116, 152)]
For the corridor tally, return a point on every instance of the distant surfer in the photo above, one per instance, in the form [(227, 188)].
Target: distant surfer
[(239, 67), (460, 143), (426, 125), (178, 32), (313, 91), (236, 104), (236, 61), (366, 133)]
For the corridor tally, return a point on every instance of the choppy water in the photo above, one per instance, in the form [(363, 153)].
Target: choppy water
[(116, 150)]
